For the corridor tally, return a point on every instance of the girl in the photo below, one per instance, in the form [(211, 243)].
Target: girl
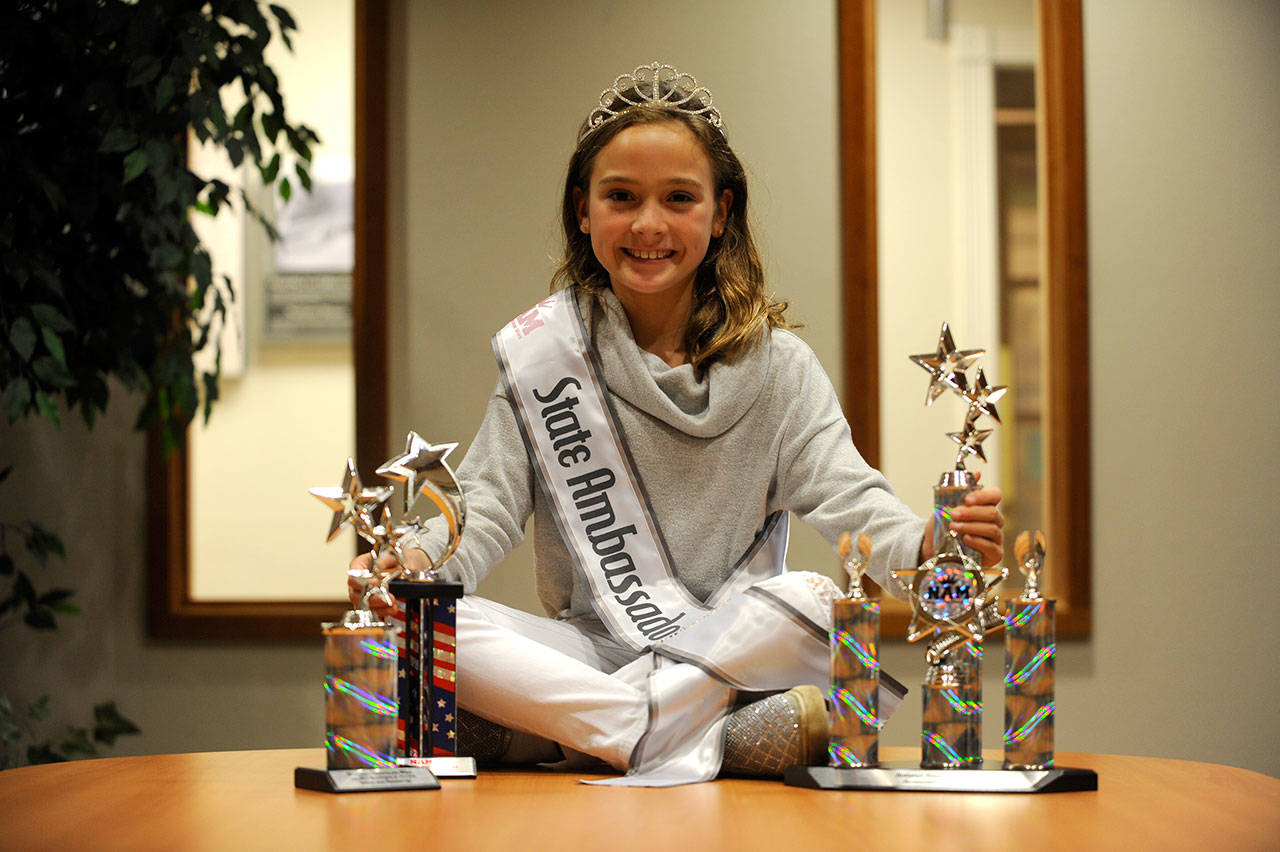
[(659, 422)]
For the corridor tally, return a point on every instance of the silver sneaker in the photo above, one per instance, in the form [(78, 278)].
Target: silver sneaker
[(787, 729)]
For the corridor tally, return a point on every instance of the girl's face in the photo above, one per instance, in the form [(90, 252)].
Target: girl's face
[(651, 210)]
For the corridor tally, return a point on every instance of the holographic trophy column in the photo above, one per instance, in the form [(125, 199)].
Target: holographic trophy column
[(952, 605), (855, 666), (1028, 666), (359, 695)]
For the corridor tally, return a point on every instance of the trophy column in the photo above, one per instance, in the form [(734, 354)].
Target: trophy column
[(1028, 678), (951, 735), (427, 647), (359, 694), (855, 666), (855, 683)]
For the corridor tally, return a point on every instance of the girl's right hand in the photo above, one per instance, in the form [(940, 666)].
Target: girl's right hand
[(359, 577)]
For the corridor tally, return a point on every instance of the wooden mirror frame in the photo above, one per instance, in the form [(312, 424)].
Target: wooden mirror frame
[(1067, 437), (171, 612)]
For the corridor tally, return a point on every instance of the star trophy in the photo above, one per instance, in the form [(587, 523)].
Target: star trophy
[(390, 711), (954, 607)]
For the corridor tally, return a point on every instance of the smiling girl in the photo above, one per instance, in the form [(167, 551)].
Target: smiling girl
[(660, 424)]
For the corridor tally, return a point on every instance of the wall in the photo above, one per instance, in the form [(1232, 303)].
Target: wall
[(1184, 199)]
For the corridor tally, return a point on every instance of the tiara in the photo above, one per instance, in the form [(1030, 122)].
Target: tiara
[(653, 84)]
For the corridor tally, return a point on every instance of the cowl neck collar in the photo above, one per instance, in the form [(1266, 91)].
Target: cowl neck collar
[(701, 409)]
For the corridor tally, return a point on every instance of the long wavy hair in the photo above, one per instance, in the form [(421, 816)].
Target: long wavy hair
[(730, 306)]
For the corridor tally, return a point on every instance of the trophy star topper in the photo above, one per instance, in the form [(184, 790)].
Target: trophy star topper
[(341, 499), (425, 471), (423, 468), (946, 368)]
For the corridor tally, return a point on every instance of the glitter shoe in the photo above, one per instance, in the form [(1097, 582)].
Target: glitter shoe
[(787, 729), (486, 741)]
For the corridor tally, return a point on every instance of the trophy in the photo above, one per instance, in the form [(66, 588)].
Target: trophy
[(1028, 665), (855, 666), (950, 593), (426, 617), (390, 713), (954, 607)]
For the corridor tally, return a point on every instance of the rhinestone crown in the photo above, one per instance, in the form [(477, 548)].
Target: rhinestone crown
[(657, 84)]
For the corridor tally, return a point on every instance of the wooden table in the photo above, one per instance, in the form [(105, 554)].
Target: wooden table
[(246, 800)]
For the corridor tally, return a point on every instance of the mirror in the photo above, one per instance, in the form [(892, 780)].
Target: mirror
[(953, 127), (295, 335)]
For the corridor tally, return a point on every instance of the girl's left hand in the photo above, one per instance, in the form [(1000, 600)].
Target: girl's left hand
[(979, 523)]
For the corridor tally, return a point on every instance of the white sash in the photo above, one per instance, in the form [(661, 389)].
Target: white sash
[(595, 492)]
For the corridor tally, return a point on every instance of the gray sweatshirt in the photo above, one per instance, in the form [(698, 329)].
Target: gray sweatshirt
[(759, 434)]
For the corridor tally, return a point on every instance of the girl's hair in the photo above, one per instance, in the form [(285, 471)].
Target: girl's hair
[(730, 306)]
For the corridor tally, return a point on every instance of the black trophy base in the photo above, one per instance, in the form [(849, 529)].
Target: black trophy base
[(416, 590), (911, 778), (443, 767), (381, 779)]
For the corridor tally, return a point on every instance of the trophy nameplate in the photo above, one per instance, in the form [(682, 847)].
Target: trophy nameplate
[(379, 780)]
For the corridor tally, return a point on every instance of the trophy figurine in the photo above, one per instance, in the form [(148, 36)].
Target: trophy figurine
[(855, 666), (1028, 665), (389, 683)]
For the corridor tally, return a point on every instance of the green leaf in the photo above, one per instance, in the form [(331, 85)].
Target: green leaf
[(51, 317), (47, 409), (166, 256), (272, 123), (282, 15), (22, 337), (109, 724), (143, 70), (117, 141), (6, 706), (17, 399), (11, 733), (44, 538), (165, 91), (77, 742), (40, 618), (51, 371), (134, 164), (54, 344), (43, 753), (286, 189), (303, 175), (271, 169), (23, 590), (55, 597), (39, 709)]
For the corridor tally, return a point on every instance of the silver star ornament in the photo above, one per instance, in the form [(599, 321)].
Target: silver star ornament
[(946, 366)]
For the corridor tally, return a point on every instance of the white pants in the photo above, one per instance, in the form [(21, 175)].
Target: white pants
[(574, 684), (554, 679)]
